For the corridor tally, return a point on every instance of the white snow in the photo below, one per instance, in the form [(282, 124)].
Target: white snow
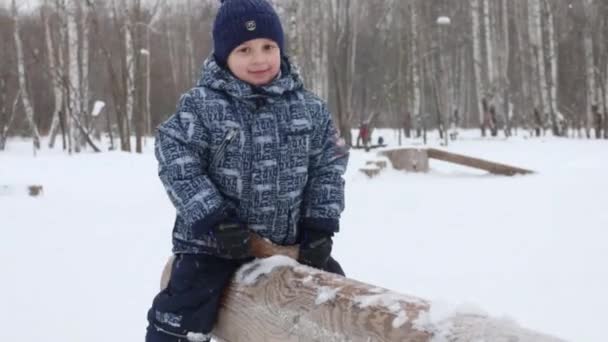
[(197, 337), (82, 262), (326, 294), (97, 108), (443, 20), (251, 272)]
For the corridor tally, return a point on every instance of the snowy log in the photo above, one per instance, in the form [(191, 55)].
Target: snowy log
[(408, 159), (277, 299), (492, 167)]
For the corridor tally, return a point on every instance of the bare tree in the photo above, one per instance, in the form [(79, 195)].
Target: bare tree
[(55, 72), (477, 61), (6, 117), (416, 114), (511, 62), (344, 37), (588, 48), (25, 98), (557, 119)]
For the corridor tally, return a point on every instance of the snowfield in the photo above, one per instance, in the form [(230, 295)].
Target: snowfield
[(82, 262)]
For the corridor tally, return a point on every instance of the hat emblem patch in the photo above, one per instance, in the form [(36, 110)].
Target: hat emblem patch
[(250, 25)]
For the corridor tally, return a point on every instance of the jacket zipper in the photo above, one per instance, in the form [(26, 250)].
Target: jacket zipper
[(222, 149)]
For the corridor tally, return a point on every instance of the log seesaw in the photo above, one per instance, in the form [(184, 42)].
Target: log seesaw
[(274, 298)]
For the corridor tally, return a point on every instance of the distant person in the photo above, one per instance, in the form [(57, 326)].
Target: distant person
[(363, 139)]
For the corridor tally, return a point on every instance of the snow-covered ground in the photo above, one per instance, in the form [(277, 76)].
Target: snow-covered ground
[(82, 262)]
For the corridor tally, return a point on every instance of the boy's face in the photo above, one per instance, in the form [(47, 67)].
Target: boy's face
[(256, 61)]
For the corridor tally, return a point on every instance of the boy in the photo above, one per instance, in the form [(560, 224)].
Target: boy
[(248, 150)]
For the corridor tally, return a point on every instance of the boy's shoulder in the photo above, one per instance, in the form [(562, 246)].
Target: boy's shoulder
[(312, 100), (201, 94)]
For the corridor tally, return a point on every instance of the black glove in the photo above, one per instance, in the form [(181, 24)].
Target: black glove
[(232, 239), (315, 248)]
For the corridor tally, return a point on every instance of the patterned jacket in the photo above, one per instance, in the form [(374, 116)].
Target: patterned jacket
[(270, 155)]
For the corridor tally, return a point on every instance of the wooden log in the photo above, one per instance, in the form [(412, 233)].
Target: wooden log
[(408, 159), (35, 190), (381, 164), (276, 299), (371, 171), (260, 248), (492, 167), (32, 190)]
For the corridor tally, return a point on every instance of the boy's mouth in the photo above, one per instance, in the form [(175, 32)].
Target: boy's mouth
[(259, 72)]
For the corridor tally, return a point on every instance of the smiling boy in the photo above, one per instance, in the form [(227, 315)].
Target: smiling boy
[(248, 150)]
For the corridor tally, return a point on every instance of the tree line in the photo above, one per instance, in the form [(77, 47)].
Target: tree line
[(79, 70)]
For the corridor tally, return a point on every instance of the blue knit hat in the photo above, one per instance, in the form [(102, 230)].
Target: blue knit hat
[(238, 21)]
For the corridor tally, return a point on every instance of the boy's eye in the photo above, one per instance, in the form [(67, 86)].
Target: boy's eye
[(269, 46), (243, 50)]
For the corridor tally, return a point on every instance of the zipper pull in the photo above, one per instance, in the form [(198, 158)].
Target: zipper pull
[(231, 134)]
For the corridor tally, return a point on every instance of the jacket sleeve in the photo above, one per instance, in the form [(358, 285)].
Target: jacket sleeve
[(323, 200), (181, 146)]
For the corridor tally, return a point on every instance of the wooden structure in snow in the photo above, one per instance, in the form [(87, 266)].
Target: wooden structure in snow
[(492, 167), (417, 160), (276, 299)]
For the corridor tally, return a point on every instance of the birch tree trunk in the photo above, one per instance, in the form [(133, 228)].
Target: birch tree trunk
[(557, 118), (504, 66), (589, 67), (324, 70), (536, 40), (540, 56), (415, 67), (477, 62), (606, 93), (74, 102), (138, 80), (130, 77), (84, 68), (523, 93), (190, 44), (6, 118), (25, 99), (63, 61), (3, 113), (488, 42), (56, 73), (148, 80), (352, 27), (343, 64), (172, 58)]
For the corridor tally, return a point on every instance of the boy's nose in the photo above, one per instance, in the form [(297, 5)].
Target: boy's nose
[(258, 58)]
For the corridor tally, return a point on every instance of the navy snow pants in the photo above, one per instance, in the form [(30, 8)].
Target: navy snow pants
[(191, 301)]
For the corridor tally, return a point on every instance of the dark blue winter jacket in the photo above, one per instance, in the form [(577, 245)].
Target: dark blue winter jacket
[(269, 155)]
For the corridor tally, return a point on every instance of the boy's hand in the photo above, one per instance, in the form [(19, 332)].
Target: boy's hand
[(232, 239), (263, 248), (315, 248)]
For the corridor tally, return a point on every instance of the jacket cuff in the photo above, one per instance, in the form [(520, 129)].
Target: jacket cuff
[(203, 226), (327, 225)]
